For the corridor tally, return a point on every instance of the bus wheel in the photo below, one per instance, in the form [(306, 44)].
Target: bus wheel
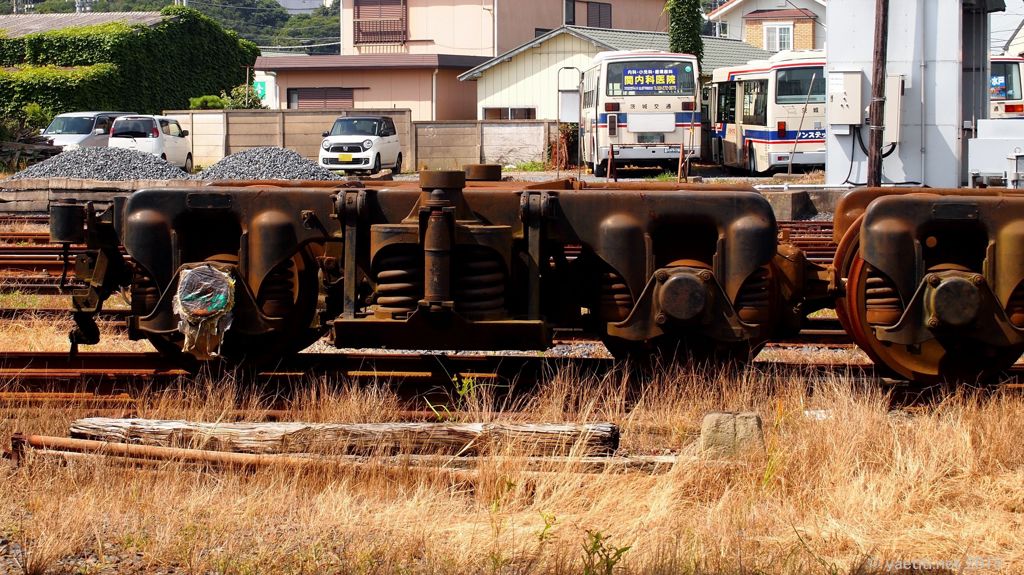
[(601, 169)]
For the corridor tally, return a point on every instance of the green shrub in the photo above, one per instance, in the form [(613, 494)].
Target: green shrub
[(144, 68), (59, 89), (207, 102)]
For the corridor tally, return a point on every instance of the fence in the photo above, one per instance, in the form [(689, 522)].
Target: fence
[(450, 145), (218, 133), (428, 145)]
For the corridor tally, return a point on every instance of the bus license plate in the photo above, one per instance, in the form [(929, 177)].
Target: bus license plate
[(345, 158)]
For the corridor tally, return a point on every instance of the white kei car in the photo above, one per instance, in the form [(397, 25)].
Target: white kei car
[(363, 143), (158, 135)]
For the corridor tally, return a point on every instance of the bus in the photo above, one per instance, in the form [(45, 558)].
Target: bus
[(767, 114), (1006, 100), (644, 105)]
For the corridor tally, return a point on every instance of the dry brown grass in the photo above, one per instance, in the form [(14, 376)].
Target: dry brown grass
[(828, 495)]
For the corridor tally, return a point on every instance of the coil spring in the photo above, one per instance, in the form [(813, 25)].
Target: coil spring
[(277, 292), (881, 300), (399, 283), (145, 293), (1015, 307), (616, 299), (479, 284), (753, 302)]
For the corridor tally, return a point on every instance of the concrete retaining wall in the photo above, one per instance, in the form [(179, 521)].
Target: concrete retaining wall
[(451, 145), (218, 133)]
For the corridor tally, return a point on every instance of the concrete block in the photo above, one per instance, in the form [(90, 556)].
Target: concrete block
[(726, 434), (790, 205)]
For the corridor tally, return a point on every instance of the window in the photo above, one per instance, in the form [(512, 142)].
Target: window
[(778, 36), (651, 78), (165, 127), (716, 29), (174, 129), (570, 12), (380, 22), (755, 102), (726, 103), (356, 127), (313, 98), (599, 15), (538, 32), (103, 123), (792, 85), (1005, 81), (510, 113)]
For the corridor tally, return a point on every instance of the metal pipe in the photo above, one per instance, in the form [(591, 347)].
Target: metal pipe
[(877, 115)]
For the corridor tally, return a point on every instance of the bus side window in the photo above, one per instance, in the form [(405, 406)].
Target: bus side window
[(755, 102), (726, 103)]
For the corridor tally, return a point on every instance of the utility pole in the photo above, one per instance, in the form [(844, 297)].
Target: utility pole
[(876, 118)]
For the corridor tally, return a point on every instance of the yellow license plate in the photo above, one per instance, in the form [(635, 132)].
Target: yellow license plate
[(346, 158)]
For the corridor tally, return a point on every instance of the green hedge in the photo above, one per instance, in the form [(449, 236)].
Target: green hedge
[(12, 51), (157, 68), (80, 88)]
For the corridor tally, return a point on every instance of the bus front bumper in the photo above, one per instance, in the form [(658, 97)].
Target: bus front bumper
[(813, 158), (653, 152)]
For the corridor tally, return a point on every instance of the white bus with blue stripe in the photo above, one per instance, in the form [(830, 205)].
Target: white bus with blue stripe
[(767, 114), (644, 105)]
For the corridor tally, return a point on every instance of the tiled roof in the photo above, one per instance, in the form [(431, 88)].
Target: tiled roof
[(718, 52), (14, 25)]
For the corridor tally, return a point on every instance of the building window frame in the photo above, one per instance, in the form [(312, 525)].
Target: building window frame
[(776, 45), (599, 15), (509, 113), (570, 12), (380, 22)]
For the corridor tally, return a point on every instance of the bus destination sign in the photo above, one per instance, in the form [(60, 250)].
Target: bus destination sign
[(649, 80)]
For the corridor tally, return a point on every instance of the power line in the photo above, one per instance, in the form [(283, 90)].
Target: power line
[(302, 46)]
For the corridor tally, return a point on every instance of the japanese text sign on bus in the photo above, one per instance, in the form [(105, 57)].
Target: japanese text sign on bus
[(650, 80)]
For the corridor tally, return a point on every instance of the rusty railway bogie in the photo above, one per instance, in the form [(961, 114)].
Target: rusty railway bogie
[(254, 269)]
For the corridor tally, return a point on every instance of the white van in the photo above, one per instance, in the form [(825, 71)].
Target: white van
[(158, 135), (75, 130)]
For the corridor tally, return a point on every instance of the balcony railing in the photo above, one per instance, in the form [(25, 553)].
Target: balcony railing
[(381, 31)]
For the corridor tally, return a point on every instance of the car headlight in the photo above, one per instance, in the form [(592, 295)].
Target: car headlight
[(325, 145), (367, 144)]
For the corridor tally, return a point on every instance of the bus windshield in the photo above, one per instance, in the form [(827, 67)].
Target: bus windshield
[(651, 78), (793, 85), (1005, 81)]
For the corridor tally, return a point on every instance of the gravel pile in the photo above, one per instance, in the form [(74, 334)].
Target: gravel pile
[(265, 164), (112, 164)]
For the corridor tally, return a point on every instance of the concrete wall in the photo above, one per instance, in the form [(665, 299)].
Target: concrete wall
[(532, 79), (218, 133), (451, 145), (425, 145)]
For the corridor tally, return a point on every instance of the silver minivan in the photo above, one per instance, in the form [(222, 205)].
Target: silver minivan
[(81, 129)]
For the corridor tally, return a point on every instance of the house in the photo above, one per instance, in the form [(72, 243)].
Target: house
[(409, 53), (525, 82), (773, 25)]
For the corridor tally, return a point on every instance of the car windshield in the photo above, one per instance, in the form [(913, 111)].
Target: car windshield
[(70, 125), (132, 128), (356, 127)]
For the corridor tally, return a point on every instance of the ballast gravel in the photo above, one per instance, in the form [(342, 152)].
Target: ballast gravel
[(110, 164), (265, 164)]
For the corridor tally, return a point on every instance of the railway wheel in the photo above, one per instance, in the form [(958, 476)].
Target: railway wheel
[(871, 302), (298, 278)]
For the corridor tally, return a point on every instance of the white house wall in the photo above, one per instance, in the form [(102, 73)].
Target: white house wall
[(734, 18), (530, 79)]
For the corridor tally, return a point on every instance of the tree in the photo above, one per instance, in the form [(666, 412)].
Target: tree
[(685, 22), (317, 27)]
